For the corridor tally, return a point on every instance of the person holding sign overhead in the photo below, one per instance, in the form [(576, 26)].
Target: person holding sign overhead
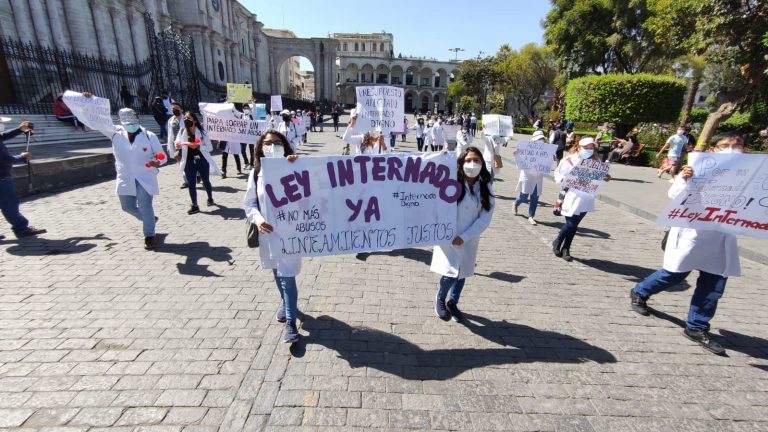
[(196, 158), (530, 183), (365, 143), (274, 145), (576, 204), (456, 261), (715, 254)]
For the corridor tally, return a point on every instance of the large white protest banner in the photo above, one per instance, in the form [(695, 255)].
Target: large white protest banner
[(499, 125), (348, 204), (94, 112), (380, 109), (536, 156), (587, 176), (222, 122), (276, 103), (728, 193)]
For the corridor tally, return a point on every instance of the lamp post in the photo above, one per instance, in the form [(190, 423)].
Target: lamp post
[(456, 52)]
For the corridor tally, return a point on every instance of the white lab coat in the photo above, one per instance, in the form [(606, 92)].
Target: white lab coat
[(530, 180), (356, 140), (286, 267), (691, 249), (471, 220), (419, 128), (205, 148), (437, 134), (291, 133), (130, 160), (429, 139), (171, 136), (462, 142), (491, 148), (575, 201)]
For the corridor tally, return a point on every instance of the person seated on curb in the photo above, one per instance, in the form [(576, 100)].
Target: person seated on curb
[(714, 254), (9, 200)]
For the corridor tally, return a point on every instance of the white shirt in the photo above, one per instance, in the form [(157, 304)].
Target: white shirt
[(575, 201), (131, 159), (419, 128), (291, 133), (286, 267), (463, 140), (351, 138), (437, 134)]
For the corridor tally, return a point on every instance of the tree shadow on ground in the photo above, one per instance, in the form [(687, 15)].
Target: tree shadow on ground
[(582, 232), (40, 246), (228, 213), (502, 276), (366, 347), (629, 271), (193, 253), (420, 255)]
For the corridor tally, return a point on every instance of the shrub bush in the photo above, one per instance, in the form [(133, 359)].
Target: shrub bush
[(739, 123)]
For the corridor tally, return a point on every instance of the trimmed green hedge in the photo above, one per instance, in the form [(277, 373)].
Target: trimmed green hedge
[(626, 99)]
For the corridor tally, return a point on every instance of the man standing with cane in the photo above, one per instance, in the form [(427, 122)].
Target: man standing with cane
[(9, 200)]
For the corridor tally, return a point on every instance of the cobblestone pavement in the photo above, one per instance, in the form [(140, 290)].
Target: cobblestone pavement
[(98, 334)]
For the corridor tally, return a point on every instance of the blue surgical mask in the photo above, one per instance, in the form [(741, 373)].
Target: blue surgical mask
[(131, 128), (585, 153)]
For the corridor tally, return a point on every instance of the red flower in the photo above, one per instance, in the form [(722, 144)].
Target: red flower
[(147, 165), (160, 156)]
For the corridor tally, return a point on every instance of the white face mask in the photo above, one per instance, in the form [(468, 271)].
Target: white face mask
[(472, 169), (586, 153), (131, 128), (730, 150), (274, 151)]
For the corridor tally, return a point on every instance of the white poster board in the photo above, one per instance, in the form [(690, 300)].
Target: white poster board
[(222, 122), (94, 112), (587, 176), (535, 156), (276, 103), (728, 193), (348, 204), (499, 125), (380, 109)]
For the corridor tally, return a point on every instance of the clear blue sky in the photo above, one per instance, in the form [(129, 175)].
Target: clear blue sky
[(426, 29)]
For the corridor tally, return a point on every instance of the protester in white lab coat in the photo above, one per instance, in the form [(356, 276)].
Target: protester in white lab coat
[(491, 147), (419, 127), (175, 123), (285, 270), (714, 254), (429, 139), (196, 158), (576, 204), (463, 140), (289, 129), (530, 184), (456, 261), (436, 132), (364, 143), (138, 153)]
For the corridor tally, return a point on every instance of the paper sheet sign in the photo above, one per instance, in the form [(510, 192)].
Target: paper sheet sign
[(276, 103), (499, 125), (222, 122), (240, 93), (380, 109), (94, 111)]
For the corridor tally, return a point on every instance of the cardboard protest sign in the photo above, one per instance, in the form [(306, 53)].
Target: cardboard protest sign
[(587, 176), (728, 193), (276, 103), (222, 122), (239, 92), (380, 109), (499, 125), (94, 112), (348, 204), (536, 156)]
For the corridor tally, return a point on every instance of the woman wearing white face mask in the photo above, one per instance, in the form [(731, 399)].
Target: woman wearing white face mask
[(274, 145), (714, 254), (456, 261), (576, 204)]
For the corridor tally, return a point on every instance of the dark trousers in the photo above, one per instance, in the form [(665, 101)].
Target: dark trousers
[(9, 205), (224, 162), (195, 166), (420, 143), (247, 153), (568, 231)]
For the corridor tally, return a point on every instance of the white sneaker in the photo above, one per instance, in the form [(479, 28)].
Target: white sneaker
[(532, 220), (672, 180)]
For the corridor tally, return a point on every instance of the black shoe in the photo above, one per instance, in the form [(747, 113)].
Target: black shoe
[(156, 219), (556, 248), (456, 314), (31, 231), (291, 334), (183, 186), (638, 303), (705, 340), (556, 212), (194, 209), (209, 202), (280, 315), (223, 175), (567, 255), (441, 311), (150, 243)]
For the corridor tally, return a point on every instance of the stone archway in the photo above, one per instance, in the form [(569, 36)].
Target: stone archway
[(319, 51)]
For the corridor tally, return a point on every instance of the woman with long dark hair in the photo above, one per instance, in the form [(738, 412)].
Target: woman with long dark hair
[(273, 145), (456, 261), (196, 158)]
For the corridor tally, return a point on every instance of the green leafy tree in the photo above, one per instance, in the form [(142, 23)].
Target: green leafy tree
[(525, 75)]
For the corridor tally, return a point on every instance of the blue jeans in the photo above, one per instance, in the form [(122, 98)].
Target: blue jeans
[(289, 294), (454, 285), (140, 207), (9, 204), (568, 231), (194, 167), (709, 289), (534, 201)]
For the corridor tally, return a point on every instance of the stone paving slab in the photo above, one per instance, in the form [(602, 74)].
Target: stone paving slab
[(97, 334)]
